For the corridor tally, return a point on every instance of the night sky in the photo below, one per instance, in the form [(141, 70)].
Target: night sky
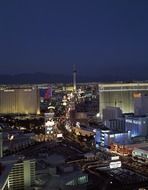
[(102, 37)]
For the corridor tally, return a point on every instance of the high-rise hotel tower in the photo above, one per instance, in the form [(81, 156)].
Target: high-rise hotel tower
[(121, 95), (21, 100)]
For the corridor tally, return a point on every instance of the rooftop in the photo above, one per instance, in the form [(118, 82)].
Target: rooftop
[(145, 148), (4, 175), (124, 84)]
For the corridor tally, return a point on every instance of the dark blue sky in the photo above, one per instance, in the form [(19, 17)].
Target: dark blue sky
[(102, 37)]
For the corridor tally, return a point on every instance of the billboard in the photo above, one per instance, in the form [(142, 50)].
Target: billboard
[(115, 158), (60, 135), (114, 165)]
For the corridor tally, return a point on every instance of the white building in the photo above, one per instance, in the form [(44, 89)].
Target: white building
[(22, 173)]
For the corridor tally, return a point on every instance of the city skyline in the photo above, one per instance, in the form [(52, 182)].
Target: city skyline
[(103, 38), (73, 95)]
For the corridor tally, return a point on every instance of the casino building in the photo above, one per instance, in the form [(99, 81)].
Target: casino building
[(120, 95), (19, 100)]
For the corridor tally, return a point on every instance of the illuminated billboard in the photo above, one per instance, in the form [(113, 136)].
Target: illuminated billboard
[(59, 135), (114, 165)]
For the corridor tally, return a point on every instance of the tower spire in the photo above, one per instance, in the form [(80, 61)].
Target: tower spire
[(74, 78)]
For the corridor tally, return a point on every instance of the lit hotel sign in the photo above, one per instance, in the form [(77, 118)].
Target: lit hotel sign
[(115, 158), (137, 95), (114, 165), (133, 121)]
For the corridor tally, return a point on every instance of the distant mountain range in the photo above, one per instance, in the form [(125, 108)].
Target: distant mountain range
[(35, 78), (41, 78)]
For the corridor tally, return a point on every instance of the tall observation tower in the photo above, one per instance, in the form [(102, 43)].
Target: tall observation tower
[(74, 78)]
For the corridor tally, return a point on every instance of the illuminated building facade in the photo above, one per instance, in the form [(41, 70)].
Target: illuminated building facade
[(141, 153), (121, 149), (116, 124), (19, 100), (128, 149), (138, 126), (120, 95), (105, 137), (83, 131), (22, 175)]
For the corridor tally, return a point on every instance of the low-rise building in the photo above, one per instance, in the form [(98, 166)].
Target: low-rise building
[(116, 124), (138, 126), (141, 153), (127, 148), (105, 137)]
